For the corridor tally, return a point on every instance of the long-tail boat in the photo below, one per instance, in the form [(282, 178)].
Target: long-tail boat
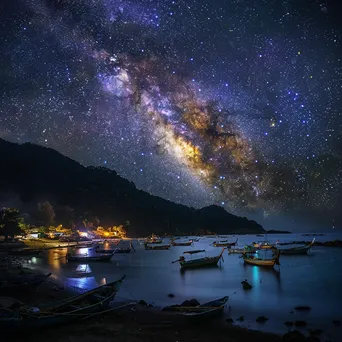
[(297, 250), (201, 262), (156, 247), (71, 309), (241, 250), (224, 243), (263, 245), (257, 261), (185, 243), (21, 284), (204, 311), (87, 258), (154, 240)]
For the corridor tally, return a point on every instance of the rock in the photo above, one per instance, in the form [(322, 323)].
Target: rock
[(171, 295), (337, 323), (289, 324), (300, 323), (302, 308), (142, 302), (261, 319), (293, 336), (191, 302), (246, 285), (229, 320), (55, 288), (241, 318)]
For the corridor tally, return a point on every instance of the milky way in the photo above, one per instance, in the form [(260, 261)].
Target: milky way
[(228, 102)]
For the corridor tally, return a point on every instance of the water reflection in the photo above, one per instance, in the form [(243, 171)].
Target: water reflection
[(83, 269)]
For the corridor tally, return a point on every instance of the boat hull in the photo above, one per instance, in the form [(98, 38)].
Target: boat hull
[(64, 312), (200, 312), (105, 257), (204, 262), (295, 250), (22, 286), (264, 263)]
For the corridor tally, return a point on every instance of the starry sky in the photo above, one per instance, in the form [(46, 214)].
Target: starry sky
[(236, 103)]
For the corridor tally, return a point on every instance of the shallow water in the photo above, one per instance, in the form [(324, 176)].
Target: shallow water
[(314, 280)]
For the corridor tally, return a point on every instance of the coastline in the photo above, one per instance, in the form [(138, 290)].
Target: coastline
[(140, 322)]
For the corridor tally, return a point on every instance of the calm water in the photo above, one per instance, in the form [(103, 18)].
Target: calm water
[(313, 280)]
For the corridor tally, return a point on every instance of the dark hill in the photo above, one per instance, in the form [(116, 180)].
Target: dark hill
[(34, 173)]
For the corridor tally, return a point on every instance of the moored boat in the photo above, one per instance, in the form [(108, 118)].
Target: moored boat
[(122, 250), (204, 311), (184, 243), (104, 251), (258, 261), (263, 245), (297, 250), (66, 311), (198, 263), (87, 258), (224, 243), (241, 250), (21, 284), (156, 247)]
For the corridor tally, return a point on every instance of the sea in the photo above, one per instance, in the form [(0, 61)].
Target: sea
[(313, 280)]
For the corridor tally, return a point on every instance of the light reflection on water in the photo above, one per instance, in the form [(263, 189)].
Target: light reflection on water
[(150, 275)]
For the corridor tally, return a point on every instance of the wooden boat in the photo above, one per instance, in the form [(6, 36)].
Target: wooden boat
[(263, 245), (241, 250), (156, 248), (154, 240), (123, 250), (187, 243), (197, 263), (21, 284), (87, 258), (224, 243), (297, 250), (204, 311), (66, 311), (25, 251), (257, 261)]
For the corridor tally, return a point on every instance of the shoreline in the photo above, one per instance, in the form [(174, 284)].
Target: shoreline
[(140, 322)]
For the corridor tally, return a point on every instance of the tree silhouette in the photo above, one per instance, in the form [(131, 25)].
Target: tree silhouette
[(46, 213), (10, 222)]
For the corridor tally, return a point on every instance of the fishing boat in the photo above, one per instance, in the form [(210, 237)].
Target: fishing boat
[(87, 258), (123, 250), (71, 309), (154, 240), (224, 243), (156, 248), (185, 243), (297, 250), (21, 284), (204, 311), (25, 251), (258, 261), (241, 250), (197, 263), (263, 245)]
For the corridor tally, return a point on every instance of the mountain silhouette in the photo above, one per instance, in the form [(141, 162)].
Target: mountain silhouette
[(31, 174)]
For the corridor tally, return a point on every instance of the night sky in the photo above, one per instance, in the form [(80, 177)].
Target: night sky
[(236, 103)]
